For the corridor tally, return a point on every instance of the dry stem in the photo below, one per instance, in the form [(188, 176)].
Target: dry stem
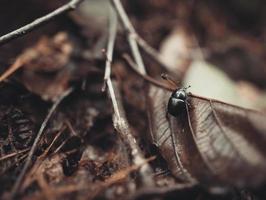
[(119, 118), (35, 144), (38, 22)]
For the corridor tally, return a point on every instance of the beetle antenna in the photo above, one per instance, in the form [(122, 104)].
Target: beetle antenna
[(169, 79), (187, 87)]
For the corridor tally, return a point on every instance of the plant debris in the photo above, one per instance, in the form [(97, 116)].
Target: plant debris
[(76, 122)]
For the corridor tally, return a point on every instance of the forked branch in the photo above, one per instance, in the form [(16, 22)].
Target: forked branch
[(135, 39), (131, 35), (119, 118)]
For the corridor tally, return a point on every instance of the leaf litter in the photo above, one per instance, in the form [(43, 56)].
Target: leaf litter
[(81, 155)]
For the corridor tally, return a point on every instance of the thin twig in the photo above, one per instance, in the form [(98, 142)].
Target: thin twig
[(45, 153), (109, 57), (147, 78), (131, 35), (153, 53), (13, 68), (119, 118), (60, 146), (8, 156), (134, 39), (120, 121), (70, 127), (31, 174), (38, 22), (35, 144)]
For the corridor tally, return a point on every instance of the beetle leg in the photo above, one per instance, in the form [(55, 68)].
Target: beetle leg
[(186, 101)]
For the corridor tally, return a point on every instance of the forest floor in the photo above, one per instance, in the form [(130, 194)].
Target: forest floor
[(74, 116)]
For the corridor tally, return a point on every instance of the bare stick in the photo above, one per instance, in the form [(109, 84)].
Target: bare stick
[(35, 144), (38, 22), (18, 64), (31, 174), (13, 154), (131, 35), (135, 39), (46, 151), (109, 57), (119, 118)]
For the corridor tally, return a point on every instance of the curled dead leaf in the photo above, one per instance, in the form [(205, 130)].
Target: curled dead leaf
[(211, 142)]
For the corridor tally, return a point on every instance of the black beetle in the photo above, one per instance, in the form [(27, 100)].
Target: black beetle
[(177, 102)]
